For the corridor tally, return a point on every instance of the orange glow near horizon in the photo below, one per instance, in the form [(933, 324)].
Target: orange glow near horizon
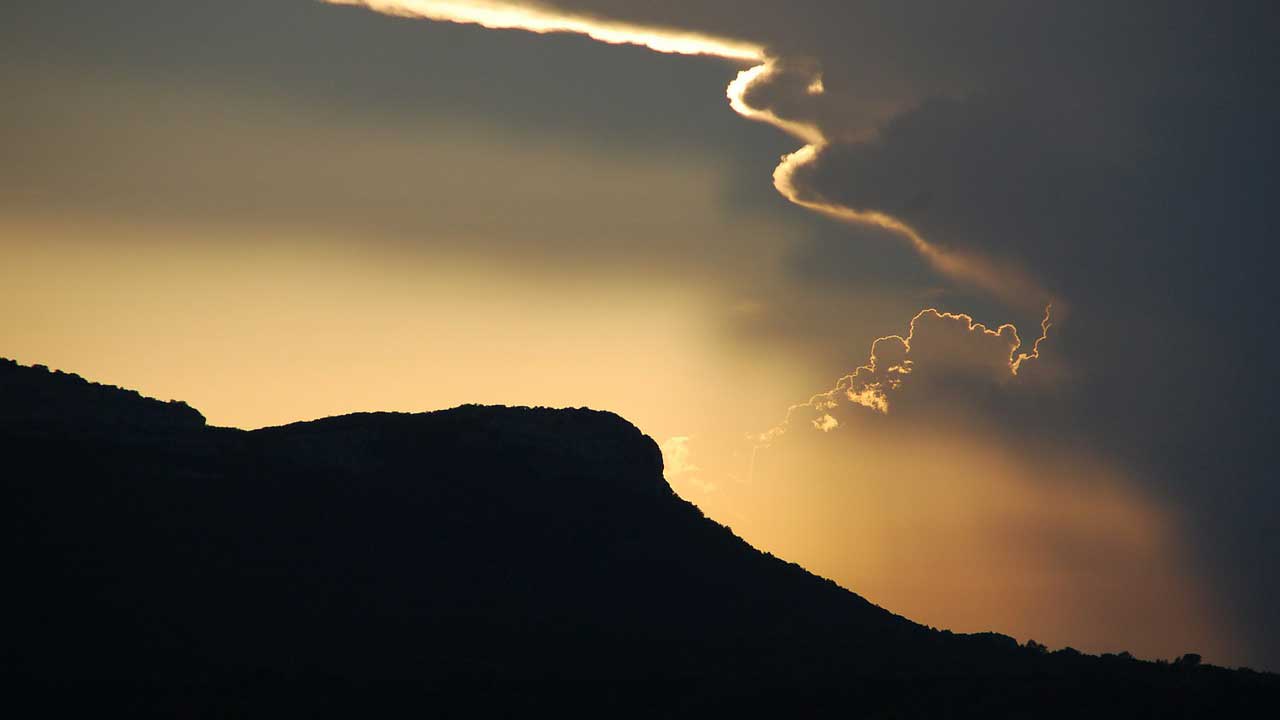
[(962, 530), (247, 332), (959, 533)]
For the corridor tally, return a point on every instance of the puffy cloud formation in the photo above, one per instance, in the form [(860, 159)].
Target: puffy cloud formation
[(678, 465), (945, 357), (936, 480)]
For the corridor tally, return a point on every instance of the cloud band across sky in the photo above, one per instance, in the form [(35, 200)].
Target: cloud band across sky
[(532, 18), (1001, 280)]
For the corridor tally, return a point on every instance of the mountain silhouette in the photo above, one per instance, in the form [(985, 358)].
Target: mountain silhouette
[(479, 561)]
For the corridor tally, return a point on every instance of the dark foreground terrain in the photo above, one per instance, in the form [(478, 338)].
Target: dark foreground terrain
[(478, 561)]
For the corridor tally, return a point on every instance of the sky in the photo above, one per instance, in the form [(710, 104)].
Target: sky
[(967, 307)]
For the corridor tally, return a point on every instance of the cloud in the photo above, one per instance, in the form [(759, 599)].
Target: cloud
[(759, 94), (678, 466), (934, 479), (943, 357), (786, 92), (503, 15)]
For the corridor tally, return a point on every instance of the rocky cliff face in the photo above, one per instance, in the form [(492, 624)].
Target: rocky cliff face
[(474, 561)]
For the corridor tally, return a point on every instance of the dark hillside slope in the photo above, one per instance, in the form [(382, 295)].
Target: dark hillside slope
[(474, 561)]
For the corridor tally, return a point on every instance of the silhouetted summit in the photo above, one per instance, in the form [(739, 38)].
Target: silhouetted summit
[(36, 396), (474, 561)]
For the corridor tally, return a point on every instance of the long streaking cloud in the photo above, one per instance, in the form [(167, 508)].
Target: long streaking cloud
[(805, 79), (499, 15), (765, 77)]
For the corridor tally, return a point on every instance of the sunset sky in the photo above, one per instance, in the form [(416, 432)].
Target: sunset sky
[(808, 246)]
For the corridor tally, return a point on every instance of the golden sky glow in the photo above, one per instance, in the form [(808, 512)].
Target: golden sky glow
[(957, 527), (963, 530), (239, 251)]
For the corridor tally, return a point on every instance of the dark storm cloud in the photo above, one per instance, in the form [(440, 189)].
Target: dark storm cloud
[(1123, 154), (1150, 216)]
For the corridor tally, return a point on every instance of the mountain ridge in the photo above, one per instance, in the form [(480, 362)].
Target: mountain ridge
[(475, 559)]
